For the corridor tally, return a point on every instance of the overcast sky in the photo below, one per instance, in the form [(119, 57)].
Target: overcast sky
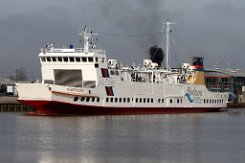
[(214, 29)]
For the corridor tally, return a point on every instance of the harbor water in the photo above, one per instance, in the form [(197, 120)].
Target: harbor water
[(174, 138)]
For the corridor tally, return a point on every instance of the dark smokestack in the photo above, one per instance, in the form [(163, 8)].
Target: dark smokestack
[(156, 54)]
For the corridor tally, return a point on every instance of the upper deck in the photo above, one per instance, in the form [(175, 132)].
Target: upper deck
[(70, 51)]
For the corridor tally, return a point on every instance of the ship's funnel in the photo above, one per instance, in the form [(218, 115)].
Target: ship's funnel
[(199, 77)]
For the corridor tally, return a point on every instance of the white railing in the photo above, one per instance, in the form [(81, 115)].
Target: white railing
[(77, 50)]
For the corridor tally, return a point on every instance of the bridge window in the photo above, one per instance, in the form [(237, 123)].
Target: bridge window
[(71, 59), (96, 59), (48, 59), (54, 59), (78, 59), (65, 59), (60, 59), (43, 59), (90, 59), (84, 59)]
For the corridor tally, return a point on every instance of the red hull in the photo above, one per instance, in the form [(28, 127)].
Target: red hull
[(58, 108)]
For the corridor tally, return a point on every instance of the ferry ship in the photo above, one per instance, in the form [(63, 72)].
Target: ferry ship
[(82, 81)]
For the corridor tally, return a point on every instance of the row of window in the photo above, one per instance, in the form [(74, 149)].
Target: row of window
[(118, 100), (209, 101), (87, 99), (139, 100), (122, 100), (178, 101), (71, 59), (97, 99), (144, 100)]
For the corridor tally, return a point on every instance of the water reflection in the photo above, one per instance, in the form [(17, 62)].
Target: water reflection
[(215, 137)]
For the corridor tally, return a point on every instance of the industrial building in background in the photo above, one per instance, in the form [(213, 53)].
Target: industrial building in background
[(227, 80)]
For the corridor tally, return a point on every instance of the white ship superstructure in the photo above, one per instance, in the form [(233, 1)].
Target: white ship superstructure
[(84, 81)]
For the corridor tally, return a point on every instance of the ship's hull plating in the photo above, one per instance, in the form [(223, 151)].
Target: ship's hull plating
[(52, 108)]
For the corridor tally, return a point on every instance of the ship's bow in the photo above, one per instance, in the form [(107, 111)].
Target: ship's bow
[(35, 95)]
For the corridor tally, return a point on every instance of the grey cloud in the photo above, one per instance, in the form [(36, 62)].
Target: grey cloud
[(214, 30)]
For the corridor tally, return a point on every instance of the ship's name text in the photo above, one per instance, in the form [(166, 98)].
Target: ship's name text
[(194, 92), (75, 89)]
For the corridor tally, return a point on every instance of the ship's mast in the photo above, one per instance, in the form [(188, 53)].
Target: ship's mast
[(168, 30), (87, 43)]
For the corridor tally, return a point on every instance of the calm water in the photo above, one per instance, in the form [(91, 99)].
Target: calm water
[(197, 138)]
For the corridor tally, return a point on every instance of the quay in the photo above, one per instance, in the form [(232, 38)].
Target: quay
[(10, 104)]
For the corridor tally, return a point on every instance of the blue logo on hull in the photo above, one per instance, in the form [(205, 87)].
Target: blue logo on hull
[(189, 97)]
